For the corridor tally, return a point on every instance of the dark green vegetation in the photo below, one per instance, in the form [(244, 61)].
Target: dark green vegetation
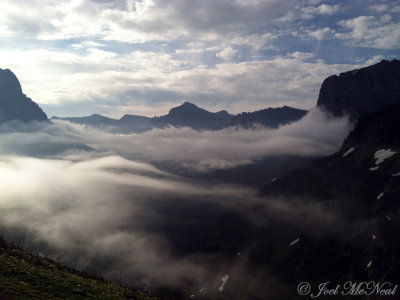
[(24, 275)]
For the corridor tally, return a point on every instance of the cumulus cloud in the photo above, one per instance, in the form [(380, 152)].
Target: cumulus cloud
[(143, 57), (319, 34), (323, 9), (227, 53), (379, 7), (368, 31), (151, 83)]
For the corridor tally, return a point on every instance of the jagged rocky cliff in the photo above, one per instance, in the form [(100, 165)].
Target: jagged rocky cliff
[(362, 91), (14, 105)]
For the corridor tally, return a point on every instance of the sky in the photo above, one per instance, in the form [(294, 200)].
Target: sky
[(80, 57)]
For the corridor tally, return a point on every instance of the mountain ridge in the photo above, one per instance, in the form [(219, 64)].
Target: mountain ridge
[(192, 116)]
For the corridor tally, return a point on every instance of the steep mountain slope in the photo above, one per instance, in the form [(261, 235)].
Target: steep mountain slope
[(355, 191), (270, 117), (14, 104), (349, 202), (363, 91), (355, 174)]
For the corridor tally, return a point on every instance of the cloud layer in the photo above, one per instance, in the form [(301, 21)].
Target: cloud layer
[(95, 200), (114, 57)]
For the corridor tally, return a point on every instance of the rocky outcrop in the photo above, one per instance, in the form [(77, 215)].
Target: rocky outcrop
[(362, 91), (14, 105)]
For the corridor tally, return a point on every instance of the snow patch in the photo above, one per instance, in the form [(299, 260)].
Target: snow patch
[(397, 174), (273, 179), (294, 242), (239, 253), (388, 218), (383, 154), (348, 152), (374, 237), (192, 296), (369, 264), (224, 279), (374, 168), (354, 72), (380, 196)]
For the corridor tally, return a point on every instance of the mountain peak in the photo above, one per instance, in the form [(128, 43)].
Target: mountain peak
[(9, 83), (188, 104), (13, 103)]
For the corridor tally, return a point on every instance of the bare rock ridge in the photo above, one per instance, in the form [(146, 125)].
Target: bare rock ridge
[(362, 91), (14, 104)]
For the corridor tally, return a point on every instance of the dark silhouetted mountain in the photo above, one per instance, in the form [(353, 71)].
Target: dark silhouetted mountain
[(351, 173), (14, 105), (127, 124), (138, 123), (362, 91), (94, 120), (189, 115), (361, 184), (270, 117), (350, 200)]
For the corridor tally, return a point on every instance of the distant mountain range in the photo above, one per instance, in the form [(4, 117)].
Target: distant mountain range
[(189, 115), (14, 104)]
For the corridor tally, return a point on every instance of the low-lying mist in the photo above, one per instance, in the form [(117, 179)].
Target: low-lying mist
[(96, 201)]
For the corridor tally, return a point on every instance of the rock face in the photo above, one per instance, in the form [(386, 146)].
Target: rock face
[(270, 117), (14, 105), (350, 173), (362, 91)]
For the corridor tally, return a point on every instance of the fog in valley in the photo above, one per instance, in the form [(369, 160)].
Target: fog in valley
[(121, 206)]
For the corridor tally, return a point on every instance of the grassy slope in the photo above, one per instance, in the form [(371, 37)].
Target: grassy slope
[(27, 276)]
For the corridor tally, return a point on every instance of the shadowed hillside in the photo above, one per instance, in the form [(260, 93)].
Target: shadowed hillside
[(24, 275)]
